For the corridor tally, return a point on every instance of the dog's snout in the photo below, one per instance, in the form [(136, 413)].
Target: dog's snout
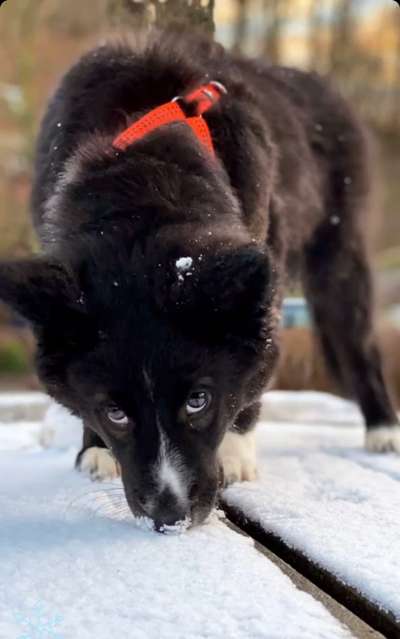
[(168, 511)]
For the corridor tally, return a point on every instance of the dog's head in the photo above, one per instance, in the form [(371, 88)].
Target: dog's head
[(157, 347), (158, 365)]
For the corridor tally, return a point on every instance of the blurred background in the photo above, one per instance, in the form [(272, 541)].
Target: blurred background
[(357, 42)]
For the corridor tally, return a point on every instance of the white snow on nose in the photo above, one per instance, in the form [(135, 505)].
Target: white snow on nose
[(170, 471)]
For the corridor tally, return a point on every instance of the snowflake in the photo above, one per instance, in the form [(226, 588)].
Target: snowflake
[(37, 624), (183, 265)]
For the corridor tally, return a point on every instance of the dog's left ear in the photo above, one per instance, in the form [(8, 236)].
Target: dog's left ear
[(40, 290), (227, 292)]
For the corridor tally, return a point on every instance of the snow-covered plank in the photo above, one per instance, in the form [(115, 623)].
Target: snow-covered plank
[(72, 561), (19, 435), (26, 406), (33, 398), (309, 407), (320, 492)]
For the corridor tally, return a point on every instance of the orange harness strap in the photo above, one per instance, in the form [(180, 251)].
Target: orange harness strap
[(202, 99)]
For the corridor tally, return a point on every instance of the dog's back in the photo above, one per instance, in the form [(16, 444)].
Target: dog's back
[(288, 142)]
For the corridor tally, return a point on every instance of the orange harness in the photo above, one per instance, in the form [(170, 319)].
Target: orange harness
[(199, 101)]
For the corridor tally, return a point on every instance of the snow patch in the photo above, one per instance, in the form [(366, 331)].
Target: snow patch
[(178, 528), (207, 583), (184, 263), (309, 407), (320, 491), (183, 266), (29, 398), (60, 429)]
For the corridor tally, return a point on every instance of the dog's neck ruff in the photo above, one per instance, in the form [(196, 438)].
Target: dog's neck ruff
[(197, 102)]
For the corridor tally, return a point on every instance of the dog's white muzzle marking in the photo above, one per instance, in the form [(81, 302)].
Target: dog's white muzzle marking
[(170, 471)]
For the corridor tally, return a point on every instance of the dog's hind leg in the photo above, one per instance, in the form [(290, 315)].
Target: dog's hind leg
[(237, 452), (339, 289), (95, 459)]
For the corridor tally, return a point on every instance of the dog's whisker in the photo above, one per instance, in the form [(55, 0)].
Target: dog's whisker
[(108, 510), (112, 506), (98, 492), (112, 496)]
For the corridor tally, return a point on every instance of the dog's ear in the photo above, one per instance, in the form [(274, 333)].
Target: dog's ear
[(225, 293), (41, 291)]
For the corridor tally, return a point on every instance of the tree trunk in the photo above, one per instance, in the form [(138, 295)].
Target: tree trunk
[(273, 33), (342, 38), (240, 26), (177, 14), (316, 47)]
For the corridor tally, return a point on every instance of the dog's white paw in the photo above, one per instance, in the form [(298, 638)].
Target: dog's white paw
[(385, 439), (99, 464), (237, 455)]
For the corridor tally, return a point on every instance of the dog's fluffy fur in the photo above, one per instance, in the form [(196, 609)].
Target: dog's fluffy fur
[(116, 322)]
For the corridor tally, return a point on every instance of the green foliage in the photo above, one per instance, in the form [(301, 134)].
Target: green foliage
[(13, 358)]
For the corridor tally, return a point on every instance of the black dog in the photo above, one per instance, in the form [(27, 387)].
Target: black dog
[(156, 300)]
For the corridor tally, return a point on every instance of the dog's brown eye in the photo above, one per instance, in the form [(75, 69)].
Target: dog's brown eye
[(116, 415), (198, 401)]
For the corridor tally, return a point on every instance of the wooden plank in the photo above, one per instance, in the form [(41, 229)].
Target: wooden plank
[(358, 628), (373, 621), (326, 506)]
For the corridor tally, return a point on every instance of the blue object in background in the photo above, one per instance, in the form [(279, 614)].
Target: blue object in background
[(295, 313)]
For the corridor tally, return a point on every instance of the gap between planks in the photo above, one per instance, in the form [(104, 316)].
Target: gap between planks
[(364, 619)]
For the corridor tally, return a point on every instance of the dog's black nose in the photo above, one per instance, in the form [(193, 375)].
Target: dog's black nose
[(168, 511)]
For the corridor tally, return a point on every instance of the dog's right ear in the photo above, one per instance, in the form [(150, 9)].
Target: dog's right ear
[(41, 291)]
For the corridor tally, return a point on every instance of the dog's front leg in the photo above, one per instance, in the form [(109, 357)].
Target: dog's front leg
[(95, 459), (237, 452)]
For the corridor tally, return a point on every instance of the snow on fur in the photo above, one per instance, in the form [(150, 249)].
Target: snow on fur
[(183, 266)]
